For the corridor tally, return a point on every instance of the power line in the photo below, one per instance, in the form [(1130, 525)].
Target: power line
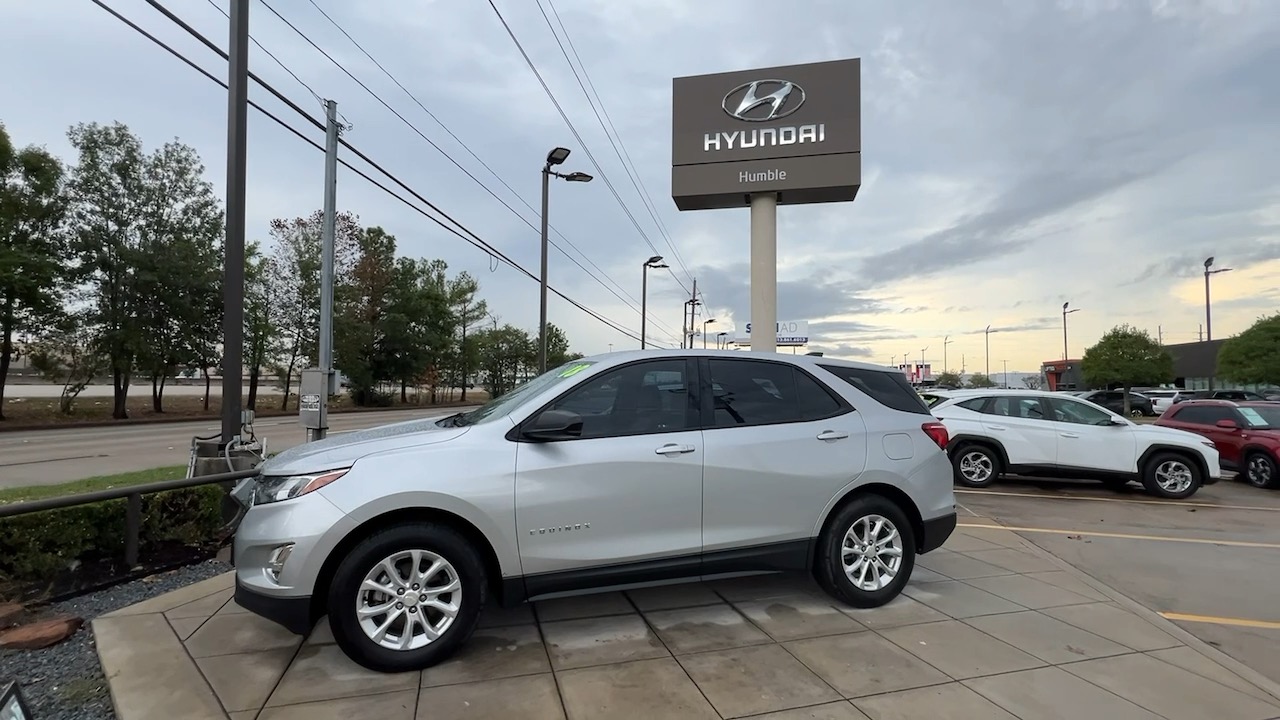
[(629, 300), (628, 165), (578, 137), (469, 236), (631, 304)]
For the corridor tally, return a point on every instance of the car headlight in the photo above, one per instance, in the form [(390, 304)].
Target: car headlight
[(274, 489)]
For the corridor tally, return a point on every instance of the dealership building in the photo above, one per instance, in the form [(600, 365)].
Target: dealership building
[(1195, 364)]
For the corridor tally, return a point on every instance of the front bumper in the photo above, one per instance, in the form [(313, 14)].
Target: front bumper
[(293, 613), (936, 532)]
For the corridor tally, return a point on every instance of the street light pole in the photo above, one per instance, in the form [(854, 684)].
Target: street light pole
[(945, 342), (705, 323), (987, 339), (1006, 374), (653, 262), (555, 157), (1208, 319), (1065, 313)]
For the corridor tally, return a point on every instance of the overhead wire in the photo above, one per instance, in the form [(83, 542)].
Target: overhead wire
[(632, 303), (578, 136), (463, 232), (616, 138)]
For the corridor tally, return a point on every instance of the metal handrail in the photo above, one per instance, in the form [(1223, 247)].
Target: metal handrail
[(133, 508)]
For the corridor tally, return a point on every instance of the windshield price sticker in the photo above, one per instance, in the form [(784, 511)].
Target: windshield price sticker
[(574, 370)]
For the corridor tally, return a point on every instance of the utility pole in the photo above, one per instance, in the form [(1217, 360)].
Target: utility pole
[(1006, 374), (1160, 334), (327, 242), (233, 260)]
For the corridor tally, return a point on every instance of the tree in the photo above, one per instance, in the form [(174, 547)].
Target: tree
[(260, 319), (979, 380), (950, 379), (33, 248), (108, 201), (1253, 356), (65, 355), (363, 316), (1032, 382), (506, 354), (469, 310), (1126, 356), (296, 264), (421, 325), (179, 273), (557, 346)]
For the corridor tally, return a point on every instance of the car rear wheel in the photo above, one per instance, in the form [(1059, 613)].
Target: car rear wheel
[(406, 597), (867, 552), (1171, 476), (1260, 471), (975, 465)]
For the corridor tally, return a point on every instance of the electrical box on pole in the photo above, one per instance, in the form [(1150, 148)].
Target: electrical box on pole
[(313, 406)]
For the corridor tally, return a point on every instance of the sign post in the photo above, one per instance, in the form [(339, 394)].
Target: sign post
[(763, 138)]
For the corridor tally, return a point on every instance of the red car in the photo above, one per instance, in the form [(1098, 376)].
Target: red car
[(1247, 434)]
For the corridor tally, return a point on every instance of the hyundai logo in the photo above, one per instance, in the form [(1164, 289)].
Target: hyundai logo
[(780, 98)]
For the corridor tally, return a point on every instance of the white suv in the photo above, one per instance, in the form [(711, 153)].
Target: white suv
[(1026, 432)]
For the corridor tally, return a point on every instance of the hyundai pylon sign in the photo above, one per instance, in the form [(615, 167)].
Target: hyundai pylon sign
[(795, 131), (793, 333)]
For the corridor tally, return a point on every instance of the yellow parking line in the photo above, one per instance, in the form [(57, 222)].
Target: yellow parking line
[(1215, 620), (1136, 501), (1123, 536)]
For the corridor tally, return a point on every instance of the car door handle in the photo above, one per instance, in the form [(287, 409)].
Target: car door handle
[(832, 435), (673, 449), (1069, 435), (996, 427)]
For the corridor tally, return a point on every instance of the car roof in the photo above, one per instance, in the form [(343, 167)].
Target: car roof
[(625, 356), (1216, 401)]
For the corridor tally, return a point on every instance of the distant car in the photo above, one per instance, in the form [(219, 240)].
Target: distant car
[(1113, 400), (1162, 400), (1247, 434), (1029, 432)]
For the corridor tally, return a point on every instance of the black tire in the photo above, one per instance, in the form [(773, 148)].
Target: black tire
[(1260, 471), (971, 452), (345, 593), (830, 571), (1151, 481)]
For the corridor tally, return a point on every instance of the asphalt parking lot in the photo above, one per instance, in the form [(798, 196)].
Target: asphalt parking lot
[(1211, 563)]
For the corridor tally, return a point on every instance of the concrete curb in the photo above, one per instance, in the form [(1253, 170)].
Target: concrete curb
[(1245, 672), (213, 418)]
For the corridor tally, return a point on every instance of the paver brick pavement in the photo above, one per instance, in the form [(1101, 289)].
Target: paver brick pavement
[(989, 628)]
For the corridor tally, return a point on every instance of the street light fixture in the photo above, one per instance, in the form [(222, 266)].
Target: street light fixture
[(557, 156), (721, 340), (1208, 320), (705, 323), (1065, 313), (653, 262), (945, 342)]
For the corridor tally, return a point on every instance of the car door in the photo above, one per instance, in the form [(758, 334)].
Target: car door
[(1018, 422), (1088, 439), (779, 444), (1228, 440), (626, 490)]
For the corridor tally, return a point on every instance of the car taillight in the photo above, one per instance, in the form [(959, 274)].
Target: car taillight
[(937, 432)]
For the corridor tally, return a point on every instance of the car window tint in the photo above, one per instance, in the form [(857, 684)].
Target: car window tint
[(1079, 413), (889, 388), (975, 404), (1203, 414), (1018, 407), (749, 392), (647, 397)]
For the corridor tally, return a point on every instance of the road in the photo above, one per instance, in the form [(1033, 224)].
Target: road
[(1211, 563), (48, 457)]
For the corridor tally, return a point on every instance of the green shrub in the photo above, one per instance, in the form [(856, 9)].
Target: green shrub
[(34, 547)]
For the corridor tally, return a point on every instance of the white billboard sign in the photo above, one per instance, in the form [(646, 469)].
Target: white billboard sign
[(791, 333)]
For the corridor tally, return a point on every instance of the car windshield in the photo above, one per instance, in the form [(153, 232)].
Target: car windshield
[(505, 404), (1261, 418)]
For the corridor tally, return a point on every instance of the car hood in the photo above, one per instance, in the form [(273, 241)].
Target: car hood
[(1168, 433), (337, 451)]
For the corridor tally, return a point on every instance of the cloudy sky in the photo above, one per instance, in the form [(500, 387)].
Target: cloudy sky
[(1016, 155)]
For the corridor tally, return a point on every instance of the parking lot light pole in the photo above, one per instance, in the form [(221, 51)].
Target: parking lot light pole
[(986, 334), (705, 323), (1208, 319), (945, 342), (653, 262), (1065, 313), (555, 157)]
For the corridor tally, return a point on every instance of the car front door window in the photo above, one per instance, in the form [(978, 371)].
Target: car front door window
[(640, 399), (1078, 413)]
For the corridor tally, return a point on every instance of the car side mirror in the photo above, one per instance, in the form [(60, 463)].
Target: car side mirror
[(1118, 422), (1228, 424), (554, 425)]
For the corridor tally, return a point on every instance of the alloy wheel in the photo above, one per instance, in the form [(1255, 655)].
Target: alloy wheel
[(976, 466), (1260, 471), (409, 599), (1174, 476), (871, 553)]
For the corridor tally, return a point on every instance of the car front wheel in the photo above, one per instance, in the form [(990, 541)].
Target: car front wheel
[(406, 597), (1260, 471), (867, 552), (1171, 476)]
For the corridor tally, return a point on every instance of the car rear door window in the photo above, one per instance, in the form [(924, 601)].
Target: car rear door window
[(889, 388), (1017, 407), (754, 392)]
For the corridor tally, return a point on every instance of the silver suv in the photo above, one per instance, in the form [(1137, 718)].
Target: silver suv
[(615, 471)]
